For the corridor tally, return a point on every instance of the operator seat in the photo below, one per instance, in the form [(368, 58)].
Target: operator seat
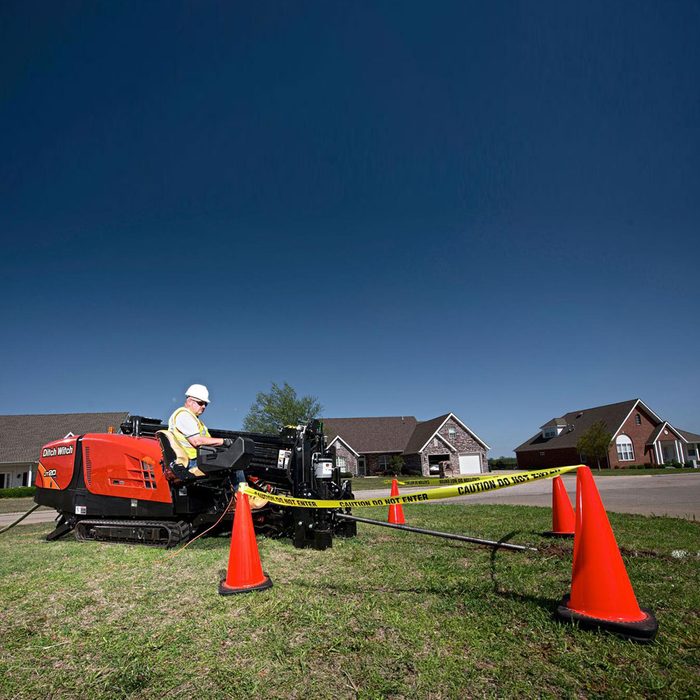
[(175, 459)]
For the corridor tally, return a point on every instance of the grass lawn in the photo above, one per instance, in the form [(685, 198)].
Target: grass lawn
[(384, 615), (18, 505)]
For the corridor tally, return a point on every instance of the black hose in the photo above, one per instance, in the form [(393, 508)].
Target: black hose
[(20, 519)]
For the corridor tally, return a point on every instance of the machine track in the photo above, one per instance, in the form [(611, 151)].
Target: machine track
[(154, 533)]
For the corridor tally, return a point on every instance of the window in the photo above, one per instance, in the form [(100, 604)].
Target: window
[(451, 432), (625, 451), (362, 466), (549, 433), (340, 462), (383, 462), (436, 442), (638, 419)]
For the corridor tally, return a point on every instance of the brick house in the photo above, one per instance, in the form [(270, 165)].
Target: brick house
[(365, 446), (639, 436), (22, 438)]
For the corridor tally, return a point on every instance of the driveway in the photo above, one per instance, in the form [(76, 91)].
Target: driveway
[(38, 516)]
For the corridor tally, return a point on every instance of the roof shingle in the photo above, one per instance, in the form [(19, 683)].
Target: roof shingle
[(578, 422), (383, 434), (423, 433)]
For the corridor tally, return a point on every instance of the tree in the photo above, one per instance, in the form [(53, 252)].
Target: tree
[(503, 463), (594, 443), (271, 412), (396, 463)]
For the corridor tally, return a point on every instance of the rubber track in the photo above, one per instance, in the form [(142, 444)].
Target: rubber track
[(178, 531)]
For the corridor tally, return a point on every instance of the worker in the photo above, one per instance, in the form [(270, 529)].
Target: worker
[(191, 432)]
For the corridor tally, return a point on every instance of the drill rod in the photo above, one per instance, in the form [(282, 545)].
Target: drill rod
[(435, 533)]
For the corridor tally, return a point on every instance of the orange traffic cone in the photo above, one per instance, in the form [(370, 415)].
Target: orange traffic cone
[(563, 517), (244, 569), (601, 592), (396, 511)]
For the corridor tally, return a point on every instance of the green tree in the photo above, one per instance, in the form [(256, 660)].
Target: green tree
[(272, 411), (503, 462), (396, 464), (594, 443)]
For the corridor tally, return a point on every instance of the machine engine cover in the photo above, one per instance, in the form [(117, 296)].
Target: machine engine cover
[(55, 469)]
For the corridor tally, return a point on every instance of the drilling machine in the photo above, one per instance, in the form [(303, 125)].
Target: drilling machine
[(130, 487)]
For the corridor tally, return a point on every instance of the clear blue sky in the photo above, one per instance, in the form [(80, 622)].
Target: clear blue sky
[(490, 208)]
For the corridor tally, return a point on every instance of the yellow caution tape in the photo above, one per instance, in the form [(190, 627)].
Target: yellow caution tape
[(435, 481), (480, 485)]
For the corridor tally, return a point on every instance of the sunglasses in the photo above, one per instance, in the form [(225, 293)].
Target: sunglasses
[(199, 403)]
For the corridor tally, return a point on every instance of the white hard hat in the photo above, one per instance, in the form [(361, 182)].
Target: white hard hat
[(198, 391)]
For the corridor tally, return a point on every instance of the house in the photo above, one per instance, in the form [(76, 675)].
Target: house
[(639, 436), (365, 446), (22, 437)]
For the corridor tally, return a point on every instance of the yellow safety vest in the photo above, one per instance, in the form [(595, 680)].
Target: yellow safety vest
[(180, 437)]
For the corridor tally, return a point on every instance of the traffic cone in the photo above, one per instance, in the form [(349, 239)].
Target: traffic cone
[(601, 592), (563, 516), (396, 511), (244, 569)]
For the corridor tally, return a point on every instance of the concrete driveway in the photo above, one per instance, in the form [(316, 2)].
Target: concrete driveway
[(38, 516)]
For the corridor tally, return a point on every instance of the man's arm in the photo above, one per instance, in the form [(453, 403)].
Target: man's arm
[(197, 440)]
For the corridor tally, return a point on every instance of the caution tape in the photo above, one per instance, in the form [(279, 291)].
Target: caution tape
[(480, 485), (434, 482)]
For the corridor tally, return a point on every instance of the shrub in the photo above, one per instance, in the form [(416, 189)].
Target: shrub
[(17, 492), (395, 467)]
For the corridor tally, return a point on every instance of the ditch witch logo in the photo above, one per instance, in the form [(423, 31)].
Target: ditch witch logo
[(57, 451)]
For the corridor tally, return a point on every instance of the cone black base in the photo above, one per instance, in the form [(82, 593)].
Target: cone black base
[(643, 631), (228, 590)]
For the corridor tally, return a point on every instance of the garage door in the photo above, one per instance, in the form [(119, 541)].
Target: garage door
[(469, 464)]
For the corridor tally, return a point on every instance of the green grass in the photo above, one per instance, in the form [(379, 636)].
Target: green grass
[(384, 615), (18, 505), (17, 492), (363, 483)]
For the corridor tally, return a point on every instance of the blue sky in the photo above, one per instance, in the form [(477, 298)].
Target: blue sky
[(402, 208)]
